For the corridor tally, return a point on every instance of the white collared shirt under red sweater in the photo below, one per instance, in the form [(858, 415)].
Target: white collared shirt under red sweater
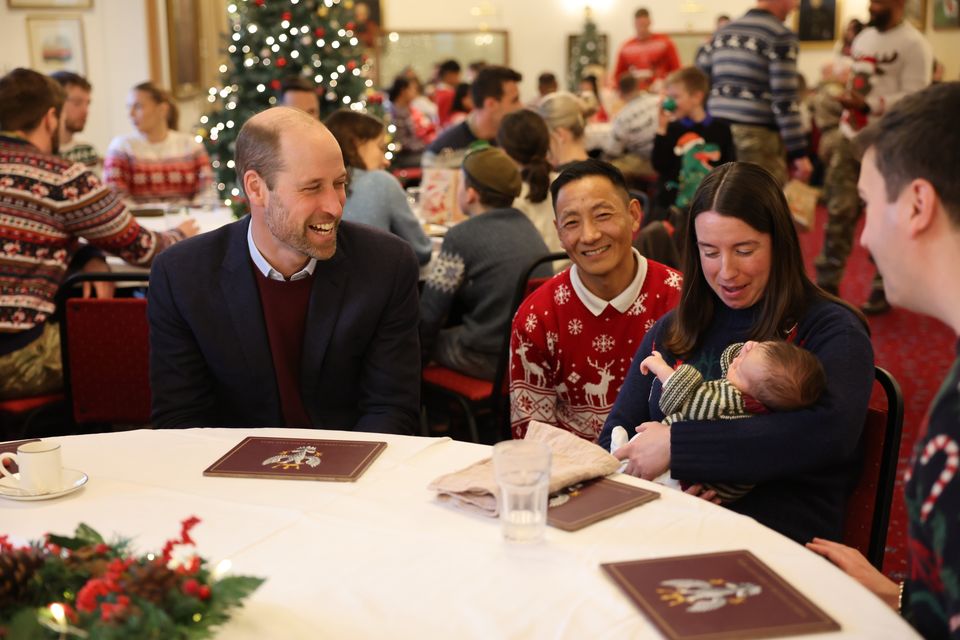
[(570, 350), (175, 169)]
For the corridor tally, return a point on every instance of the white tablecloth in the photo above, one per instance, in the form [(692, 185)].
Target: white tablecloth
[(381, 558)]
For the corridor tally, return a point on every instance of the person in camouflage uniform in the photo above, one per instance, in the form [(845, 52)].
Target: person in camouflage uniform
[(890, 60)]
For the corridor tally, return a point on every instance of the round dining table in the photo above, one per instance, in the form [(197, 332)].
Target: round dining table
[(382, 558)]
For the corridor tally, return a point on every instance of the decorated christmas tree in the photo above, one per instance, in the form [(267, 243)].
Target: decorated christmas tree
[(270, 41), (587, 50)]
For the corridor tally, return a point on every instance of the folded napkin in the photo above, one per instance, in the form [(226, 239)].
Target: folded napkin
[(573, 460)]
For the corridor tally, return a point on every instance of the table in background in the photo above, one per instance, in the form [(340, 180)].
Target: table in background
[(381, 558), (207, 220)]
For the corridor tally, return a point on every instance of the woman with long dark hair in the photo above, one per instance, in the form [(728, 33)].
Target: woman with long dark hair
[(744, 279), (524, 136)]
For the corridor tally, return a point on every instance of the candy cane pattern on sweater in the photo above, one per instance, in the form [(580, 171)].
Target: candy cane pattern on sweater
[(949, 446)]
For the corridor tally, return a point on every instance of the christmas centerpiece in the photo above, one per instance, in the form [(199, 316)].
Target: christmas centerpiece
[(84, 587)]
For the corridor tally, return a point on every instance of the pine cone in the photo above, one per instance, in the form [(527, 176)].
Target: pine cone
[(151, 581), (16, 570), (88, 560)]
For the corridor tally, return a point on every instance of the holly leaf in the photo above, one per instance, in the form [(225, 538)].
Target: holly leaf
[(25, 626), (88, 533)]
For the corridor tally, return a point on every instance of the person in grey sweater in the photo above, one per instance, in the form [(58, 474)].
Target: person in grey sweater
[(374, 197), (480, 263)]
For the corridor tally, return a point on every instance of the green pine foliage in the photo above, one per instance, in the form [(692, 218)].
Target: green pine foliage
[(587, 50), (268, 42)]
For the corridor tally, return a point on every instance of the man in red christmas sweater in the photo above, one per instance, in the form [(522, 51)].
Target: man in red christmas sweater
[(573, 339), (649, 56)]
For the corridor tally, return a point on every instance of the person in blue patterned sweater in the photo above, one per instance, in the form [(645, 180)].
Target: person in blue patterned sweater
[(913, 209), (480, 263), (752, 65)]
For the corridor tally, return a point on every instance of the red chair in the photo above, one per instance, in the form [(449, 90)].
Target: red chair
[(105, 348), (18, 416), (868, 507), (475, 395)]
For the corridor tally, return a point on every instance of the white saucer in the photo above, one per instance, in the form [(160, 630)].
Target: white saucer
[(72, 480)]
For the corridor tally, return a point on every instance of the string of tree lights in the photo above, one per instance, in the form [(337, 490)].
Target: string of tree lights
[(270, 41)]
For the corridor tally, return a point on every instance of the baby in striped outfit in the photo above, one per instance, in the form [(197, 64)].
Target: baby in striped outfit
[(759, 377)]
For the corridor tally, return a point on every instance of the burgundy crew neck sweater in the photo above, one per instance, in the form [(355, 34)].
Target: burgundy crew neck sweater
[(285, 304)]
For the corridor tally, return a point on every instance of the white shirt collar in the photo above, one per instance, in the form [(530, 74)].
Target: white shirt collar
[(622, 302), (268, 271)]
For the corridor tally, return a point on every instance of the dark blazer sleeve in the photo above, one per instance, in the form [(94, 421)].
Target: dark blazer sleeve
[(181, 384), (390, 379)]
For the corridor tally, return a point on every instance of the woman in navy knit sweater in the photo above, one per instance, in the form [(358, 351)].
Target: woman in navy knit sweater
[(744, 280)]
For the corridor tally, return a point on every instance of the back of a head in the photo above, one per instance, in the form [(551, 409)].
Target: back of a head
[(489, 83), (296, 83), (352, 129), (586, 169), (491, 173), (400, 84), (627, 84), (162, 96), (795, 377), (918, 138), (524, 136), (547, 83), (26, 97), (460, 98), (563, 110)]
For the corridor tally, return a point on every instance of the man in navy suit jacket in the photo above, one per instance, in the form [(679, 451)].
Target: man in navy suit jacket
[(287, 317)]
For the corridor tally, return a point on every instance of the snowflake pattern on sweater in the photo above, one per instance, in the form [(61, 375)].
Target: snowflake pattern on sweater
[(566, 364)]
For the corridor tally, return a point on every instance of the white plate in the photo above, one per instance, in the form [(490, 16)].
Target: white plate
[(72, 480)]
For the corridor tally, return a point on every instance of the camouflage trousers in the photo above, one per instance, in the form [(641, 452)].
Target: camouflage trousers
[(843, 212), (35, 369), (762, 146)]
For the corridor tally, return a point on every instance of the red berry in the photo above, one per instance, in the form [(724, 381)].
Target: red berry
[(204, 592), (191, 587)]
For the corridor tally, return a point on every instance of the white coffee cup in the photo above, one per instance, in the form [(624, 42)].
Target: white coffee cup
[(40, 466)]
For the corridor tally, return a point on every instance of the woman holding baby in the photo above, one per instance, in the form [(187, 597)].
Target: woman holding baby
[(745, 281)]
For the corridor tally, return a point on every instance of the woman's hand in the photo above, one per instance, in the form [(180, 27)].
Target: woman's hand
[(700, 491), (648, 453), (859, 568)]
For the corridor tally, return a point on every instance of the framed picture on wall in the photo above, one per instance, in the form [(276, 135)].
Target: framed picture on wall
[(916, 13), (49, 4), (816, 21), (183, 40), (368, 22), (56, 44), (946, 14)]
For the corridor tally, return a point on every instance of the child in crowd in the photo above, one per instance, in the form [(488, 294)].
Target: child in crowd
[(759, 377), (689, 143)]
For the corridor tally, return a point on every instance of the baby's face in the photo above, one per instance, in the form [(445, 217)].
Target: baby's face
[(748, 370)]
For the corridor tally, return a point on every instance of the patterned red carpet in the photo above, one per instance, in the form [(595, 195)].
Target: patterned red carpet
[(916, 349)]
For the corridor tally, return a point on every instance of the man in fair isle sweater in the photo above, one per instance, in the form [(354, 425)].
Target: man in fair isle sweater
[(479, 266), (47, 204), (752, 64), (912, 197), (573, 339)]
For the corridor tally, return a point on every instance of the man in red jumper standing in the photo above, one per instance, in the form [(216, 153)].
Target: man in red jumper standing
[(287, 317), (651, 57), (573, 339)]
